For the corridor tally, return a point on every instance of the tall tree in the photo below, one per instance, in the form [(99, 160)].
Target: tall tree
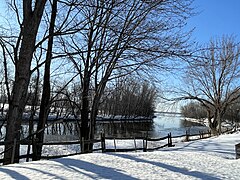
[(60, 21), (23, 53), (121, 37), (213, 79), (45, 100)]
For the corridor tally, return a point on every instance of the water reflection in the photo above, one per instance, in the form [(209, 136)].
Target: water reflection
[(125, 128), (160, 126), (176, 124)]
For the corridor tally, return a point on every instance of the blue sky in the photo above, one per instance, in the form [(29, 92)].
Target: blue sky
[(216, 18)]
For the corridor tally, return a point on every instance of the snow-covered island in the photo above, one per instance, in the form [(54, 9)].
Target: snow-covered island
[(213, 158)]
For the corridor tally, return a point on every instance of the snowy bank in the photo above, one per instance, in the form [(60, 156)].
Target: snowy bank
[(212, 158)]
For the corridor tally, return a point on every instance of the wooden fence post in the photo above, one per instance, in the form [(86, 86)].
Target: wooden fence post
[(115, 147), (82, 144), (187, 136), (145, 143), (103, 143), (170, 140), (144, 148), (135, 145), (200, 134)]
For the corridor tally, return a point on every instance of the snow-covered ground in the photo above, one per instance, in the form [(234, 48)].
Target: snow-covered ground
[(226, 124), (212, 158)]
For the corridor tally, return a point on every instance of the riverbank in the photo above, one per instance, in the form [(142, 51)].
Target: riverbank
[(202, 121), (226, 125)]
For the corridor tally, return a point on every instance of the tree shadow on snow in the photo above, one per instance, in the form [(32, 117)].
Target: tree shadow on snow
[(99, 171), (207, 146), (13, 174), (55, 176), (16, 175), (183, 171)]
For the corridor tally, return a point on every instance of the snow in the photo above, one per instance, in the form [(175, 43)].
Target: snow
[(212, 158)]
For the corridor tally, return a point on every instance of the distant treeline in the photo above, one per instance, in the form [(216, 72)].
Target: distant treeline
[(127, 97), (197, 111)]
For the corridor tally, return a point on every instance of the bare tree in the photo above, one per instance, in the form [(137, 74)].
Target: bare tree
[(103, 39), (5, 87), (23, 54), (194, 110), (45, 100), (119, 38), (212, 79), (59, 21), (129, 98)]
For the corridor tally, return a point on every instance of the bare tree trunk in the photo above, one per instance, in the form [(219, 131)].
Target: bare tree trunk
[(29, 29), (93, 116), (44, 106), (213, 127), (34, 103), (213, 123), (219, 121), (84, 129), (95, 106)]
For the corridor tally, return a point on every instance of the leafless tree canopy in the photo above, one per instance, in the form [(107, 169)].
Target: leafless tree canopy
[(89, 43), (212, 78)]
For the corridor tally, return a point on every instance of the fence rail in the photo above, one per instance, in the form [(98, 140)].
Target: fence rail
[(103, 148), (102, 141)]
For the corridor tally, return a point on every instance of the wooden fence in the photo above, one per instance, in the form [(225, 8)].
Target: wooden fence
[(103, 147), (192, 137), (102, 142), (144, 147)]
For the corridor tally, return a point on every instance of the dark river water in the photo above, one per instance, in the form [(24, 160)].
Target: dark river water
[(160, 126)]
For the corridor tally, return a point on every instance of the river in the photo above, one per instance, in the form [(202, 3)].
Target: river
[(176, 124), (160, 126)]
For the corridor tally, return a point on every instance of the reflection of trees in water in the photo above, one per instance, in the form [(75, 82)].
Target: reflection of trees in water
[(120, 129), (193, 127), (125, 128), (69, 130), (62, 130), (117, 129), (186, 123)]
